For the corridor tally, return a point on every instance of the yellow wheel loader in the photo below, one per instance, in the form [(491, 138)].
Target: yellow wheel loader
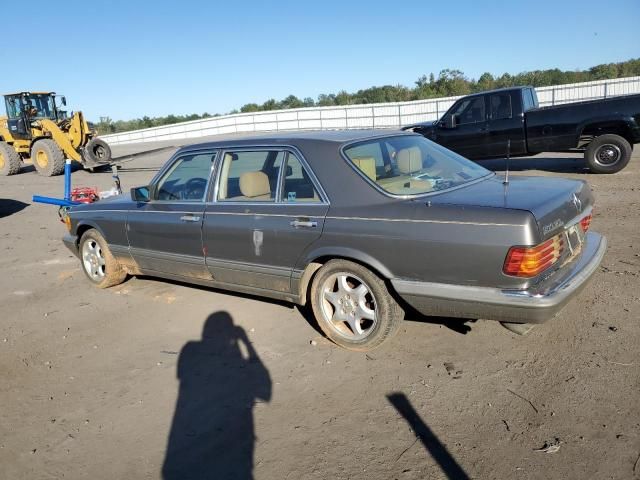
[(36, 130)]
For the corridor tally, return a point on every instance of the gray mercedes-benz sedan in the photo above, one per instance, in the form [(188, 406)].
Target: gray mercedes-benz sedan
[(359, 224)]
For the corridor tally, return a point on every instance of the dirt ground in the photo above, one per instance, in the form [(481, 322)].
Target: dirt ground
[(138, 380)]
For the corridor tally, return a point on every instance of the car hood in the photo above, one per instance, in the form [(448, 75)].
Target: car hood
[(554, 202), (109, 203)]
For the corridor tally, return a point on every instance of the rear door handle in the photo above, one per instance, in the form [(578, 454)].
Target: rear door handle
[(303, 223), (190, 218)]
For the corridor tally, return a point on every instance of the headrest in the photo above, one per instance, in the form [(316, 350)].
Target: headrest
[(409, 160), (254, 184), (367, 165)]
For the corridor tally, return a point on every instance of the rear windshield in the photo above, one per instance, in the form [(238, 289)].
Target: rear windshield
[(412, 165)]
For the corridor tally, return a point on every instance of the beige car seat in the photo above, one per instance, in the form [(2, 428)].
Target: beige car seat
[(255, 185), (367, 165)]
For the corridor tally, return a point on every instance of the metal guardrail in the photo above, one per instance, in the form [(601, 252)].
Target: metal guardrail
[(379, 115)]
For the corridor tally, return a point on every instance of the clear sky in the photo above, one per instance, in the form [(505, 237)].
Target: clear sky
[(128, 58)]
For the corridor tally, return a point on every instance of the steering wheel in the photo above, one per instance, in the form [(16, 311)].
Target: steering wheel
[(194, 188)]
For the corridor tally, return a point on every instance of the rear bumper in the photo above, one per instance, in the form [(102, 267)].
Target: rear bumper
[(535, 305), (71, 242)]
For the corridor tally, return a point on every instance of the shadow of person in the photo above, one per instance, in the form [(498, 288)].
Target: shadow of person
[(221, 377), (9, 206)]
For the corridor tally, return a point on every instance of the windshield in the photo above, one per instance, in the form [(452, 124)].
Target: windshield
[(412, 165), (39, 106)]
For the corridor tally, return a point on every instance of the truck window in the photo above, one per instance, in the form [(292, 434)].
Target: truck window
[(500, 106), (470, 110), (528, 101)]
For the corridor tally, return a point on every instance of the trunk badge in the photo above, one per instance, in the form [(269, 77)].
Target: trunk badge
[(577, 202)]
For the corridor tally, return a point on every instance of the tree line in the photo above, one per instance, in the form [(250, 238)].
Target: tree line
[(448, 83)]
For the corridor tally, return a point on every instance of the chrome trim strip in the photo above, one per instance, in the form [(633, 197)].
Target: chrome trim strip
[(257, 214), (426, 221)]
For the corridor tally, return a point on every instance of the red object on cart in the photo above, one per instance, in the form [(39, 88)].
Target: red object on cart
[(84, 194)]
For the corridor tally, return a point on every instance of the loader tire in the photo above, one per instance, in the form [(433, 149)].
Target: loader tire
[(47, 157), (10, 162), (97, 151)]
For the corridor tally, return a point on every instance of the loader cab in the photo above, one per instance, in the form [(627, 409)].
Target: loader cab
[(26, 107)]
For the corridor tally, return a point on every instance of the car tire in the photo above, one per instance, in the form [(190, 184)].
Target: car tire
[(47, 157), (608, 154), (97, 151), (353, 305), (97, 262), (10, 162)]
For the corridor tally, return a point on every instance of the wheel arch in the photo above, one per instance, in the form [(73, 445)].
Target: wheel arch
[(84, 225), (316, 259), (615, 126)]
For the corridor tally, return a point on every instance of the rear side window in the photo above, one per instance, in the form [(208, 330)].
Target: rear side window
[(500, 104), (528, 100), (470, 110), (250, 176), (298, 187)]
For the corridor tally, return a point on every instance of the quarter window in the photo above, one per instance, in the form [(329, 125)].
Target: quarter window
[(500, 106), (298, 187), (250, 176), (187, 178)]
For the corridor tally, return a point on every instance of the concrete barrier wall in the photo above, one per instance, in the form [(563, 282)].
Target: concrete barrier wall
[(379, 115)]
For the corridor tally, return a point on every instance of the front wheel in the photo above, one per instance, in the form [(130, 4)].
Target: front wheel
[(47, 157), (98, 263), (353, 306), (608, 154)]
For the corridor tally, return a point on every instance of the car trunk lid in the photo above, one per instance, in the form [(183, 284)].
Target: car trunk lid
[(555, 203)]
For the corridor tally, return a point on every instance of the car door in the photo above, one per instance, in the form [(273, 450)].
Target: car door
[(468, 137), (165, 233), (267, 209), (506, 126)]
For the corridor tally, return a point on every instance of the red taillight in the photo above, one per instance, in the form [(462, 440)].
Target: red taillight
[(586, 222), (530, 261)]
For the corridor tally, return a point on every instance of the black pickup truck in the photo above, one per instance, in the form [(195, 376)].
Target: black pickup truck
[(509, 121)]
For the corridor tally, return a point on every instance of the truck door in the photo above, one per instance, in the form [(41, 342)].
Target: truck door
[(467, 133), (506, 122)]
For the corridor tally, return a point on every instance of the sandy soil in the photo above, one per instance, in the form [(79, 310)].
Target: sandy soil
[(140, 380)]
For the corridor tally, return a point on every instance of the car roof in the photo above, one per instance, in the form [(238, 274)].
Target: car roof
[(338, 137)]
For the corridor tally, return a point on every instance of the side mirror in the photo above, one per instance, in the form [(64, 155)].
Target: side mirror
[(140, 194), (289, 171), (450, 121), (64, 100)]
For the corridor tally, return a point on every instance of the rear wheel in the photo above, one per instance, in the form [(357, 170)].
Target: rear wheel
[(10, 162), (98, 263), (608, 154), (47, 157), (353, 306)]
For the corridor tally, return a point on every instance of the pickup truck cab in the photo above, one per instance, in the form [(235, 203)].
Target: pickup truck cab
[(509, 121)]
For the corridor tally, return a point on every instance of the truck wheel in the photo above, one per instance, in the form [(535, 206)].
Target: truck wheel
[(98, 263), (608, 154), (10, 162), (97, 151), (353, 306), (47, 157)]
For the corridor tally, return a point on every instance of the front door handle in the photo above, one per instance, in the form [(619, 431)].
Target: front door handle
[(298, 223), (190, 218)]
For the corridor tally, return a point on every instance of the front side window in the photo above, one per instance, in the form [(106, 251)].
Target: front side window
[(470, 110), (187, 178), (415, 166), (13, 107), (250, 176), (298, 187), (500, 106)]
